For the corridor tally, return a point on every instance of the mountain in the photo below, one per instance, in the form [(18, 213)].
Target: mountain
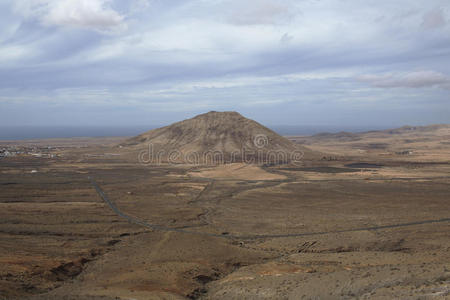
[(436, 128), (215, 137), (414, 143), (404, 132)]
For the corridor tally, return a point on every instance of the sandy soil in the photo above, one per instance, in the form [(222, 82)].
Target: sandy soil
[(313, 231), (236, 171)]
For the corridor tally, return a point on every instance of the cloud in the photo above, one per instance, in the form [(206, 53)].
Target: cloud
[(223, 52), (417, 79), (10, 53), (83, 13), (92, 14), (434, 19), (286, 38), (260, 12)]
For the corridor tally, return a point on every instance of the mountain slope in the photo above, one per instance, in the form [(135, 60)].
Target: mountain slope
[(216, 134)]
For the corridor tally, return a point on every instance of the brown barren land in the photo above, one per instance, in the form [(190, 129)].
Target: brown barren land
[(318, 229)]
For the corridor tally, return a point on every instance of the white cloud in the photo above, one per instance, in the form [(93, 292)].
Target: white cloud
[(10, 53), (417, 79), (192, 41), (83, 13), (225, 83), (257, 12), (92, 14)]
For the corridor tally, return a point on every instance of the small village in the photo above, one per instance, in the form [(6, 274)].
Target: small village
[(32, 150)]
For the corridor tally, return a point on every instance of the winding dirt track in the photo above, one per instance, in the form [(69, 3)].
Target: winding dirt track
[(248, 237)]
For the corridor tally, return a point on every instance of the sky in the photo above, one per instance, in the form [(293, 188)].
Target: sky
[(116, 63)]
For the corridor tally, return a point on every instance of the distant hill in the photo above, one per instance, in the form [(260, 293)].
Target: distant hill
[(212, 134), (420, 143), (405, 131), (418, 129)]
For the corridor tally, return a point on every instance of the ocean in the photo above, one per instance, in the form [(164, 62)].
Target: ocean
[(43, 132)]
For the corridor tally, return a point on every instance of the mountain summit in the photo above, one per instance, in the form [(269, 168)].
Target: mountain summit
[(218, 137)]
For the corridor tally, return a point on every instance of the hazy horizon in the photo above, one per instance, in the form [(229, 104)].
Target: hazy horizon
[(43, 132)]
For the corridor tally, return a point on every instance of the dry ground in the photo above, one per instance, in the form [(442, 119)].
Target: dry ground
[(59, 240)]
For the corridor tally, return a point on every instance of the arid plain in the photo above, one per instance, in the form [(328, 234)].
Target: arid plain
[(367, 216)]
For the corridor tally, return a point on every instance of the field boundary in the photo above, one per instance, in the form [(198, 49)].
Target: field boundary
[(140, 222)]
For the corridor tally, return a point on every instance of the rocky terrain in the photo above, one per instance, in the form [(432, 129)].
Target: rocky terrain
[(424, 143), (352, 221), (215, 137)]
